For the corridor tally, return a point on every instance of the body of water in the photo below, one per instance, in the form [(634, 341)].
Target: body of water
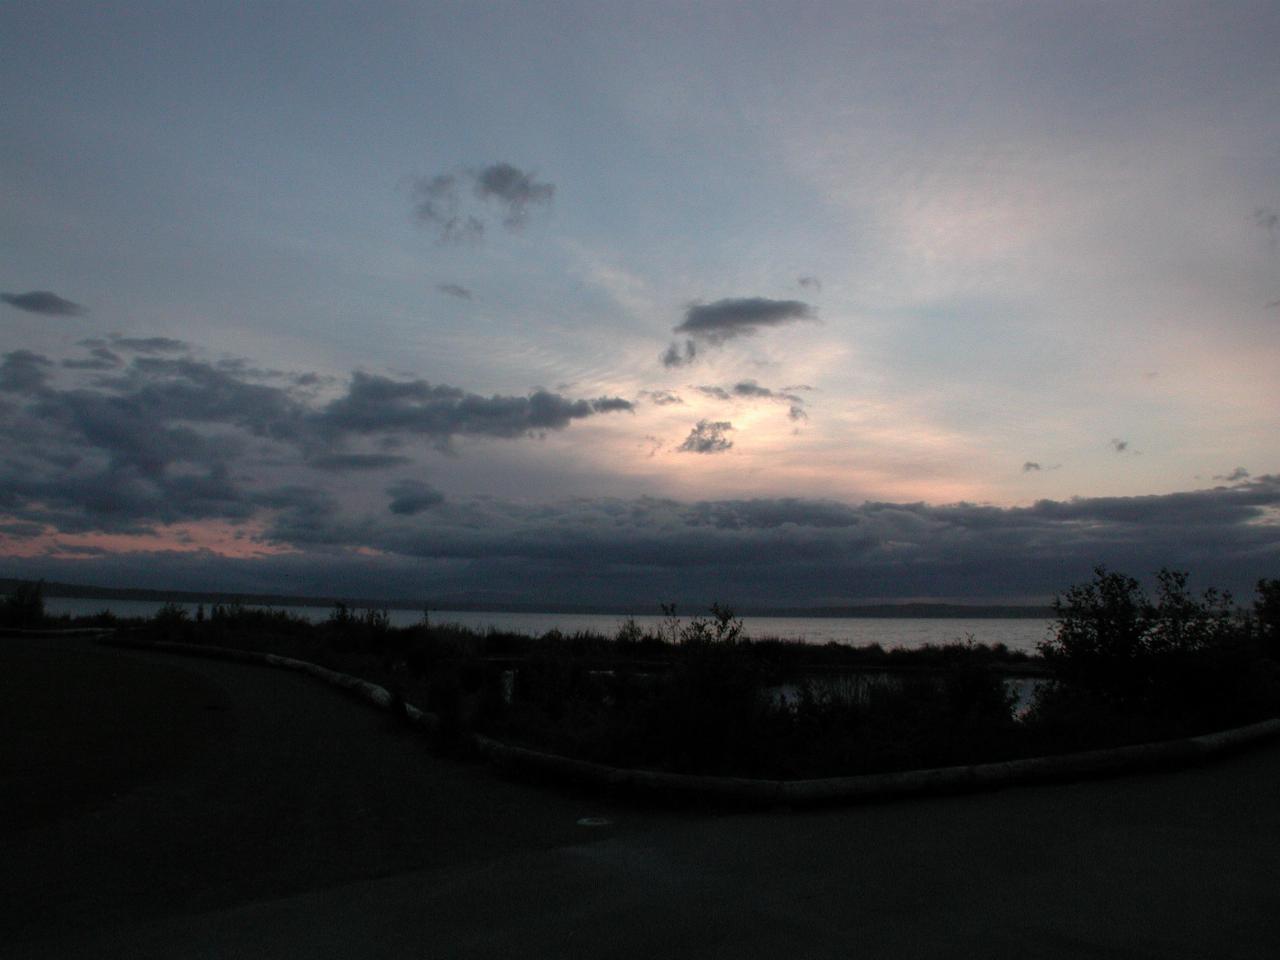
[(906, 632)]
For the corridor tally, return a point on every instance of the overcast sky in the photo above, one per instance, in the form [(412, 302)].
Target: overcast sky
[(601, 302)]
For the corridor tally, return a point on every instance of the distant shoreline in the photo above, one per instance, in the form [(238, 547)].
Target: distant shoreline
[(915, 610)]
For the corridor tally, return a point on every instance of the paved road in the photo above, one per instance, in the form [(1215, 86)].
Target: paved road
[(303, 824)]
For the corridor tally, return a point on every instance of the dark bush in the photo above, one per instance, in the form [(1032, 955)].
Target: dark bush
[(1266, 611), (1180, 665), (23, 606)]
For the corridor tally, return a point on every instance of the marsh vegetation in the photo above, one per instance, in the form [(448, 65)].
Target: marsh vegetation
[(698, 695)]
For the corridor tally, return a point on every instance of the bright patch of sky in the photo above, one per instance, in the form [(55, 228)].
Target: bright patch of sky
[(956, 250)]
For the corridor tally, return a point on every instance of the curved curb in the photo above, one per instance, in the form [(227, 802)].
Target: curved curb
[(938, 781)]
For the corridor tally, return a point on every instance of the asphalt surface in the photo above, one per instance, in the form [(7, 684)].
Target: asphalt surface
[(272, 817)]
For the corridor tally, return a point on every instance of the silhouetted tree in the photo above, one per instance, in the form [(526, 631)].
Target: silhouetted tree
[(1266, 610)]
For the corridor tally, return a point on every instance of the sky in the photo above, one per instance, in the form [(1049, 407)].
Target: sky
[(603, 303)]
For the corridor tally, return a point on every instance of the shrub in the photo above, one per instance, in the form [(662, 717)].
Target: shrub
[(1266, 611), (1111, 640), (1182, 662), (23, 606)]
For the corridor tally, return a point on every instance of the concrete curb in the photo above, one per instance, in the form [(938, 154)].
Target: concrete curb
[(1116, 761)]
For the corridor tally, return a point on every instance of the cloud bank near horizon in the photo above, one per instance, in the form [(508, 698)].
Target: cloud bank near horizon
[(779, 551)]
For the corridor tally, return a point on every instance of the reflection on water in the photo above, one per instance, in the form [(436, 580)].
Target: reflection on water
[(852, 687)]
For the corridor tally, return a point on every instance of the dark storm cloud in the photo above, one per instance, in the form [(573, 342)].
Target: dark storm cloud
[(454, 290), (412, 496), (169, 438), (774, 551), (1239, 473), (1030, 466), (375, 404), (707, 436), (769, 550), (736, 317), (44, 302), (340, 462), (22, 371), (441, 203), (150, 344), (100, 358), (514, 190)]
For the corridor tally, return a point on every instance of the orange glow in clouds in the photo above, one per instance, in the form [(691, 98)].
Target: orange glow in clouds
[(239, 541)]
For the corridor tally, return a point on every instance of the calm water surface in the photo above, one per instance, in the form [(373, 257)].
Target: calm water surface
[(907, 632)]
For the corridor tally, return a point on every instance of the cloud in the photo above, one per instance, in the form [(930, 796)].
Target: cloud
[(750, 390), (514, 190), (812, 283), (1239, 473), (21, 531), (150, 344), (1269, 220), (1030, 466), (1119, 446), (661, 398), (674, 357), (440, 202), (744, 316), (437, 203), (339, 462), (43, 301), (100, 358), (412, 496), (164, 439), (781, 551), (376, 404), (454, 290), (612, 405), (22, 371), (707, 437)]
